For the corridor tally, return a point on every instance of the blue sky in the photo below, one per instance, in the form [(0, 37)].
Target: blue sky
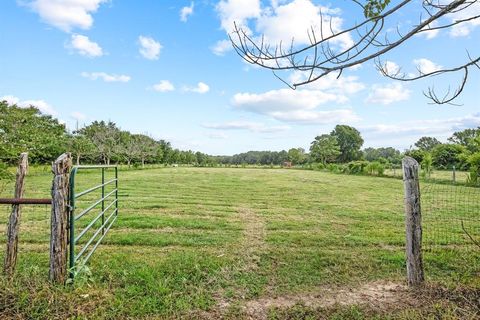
[(164, 68)]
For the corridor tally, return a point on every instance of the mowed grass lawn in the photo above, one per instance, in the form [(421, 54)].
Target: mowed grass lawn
[(204, 242)]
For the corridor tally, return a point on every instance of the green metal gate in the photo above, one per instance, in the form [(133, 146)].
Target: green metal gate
[(107, 215)]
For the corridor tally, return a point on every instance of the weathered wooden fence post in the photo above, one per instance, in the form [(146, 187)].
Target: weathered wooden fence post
[(454, 175), (14, 221), (59, 218), (413, 221)]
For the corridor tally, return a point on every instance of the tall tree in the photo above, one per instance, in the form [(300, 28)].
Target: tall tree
[(447, 155), (324, 148), (105, 136), (128, 149), (427, 143), (147, 147), (296, 155), (80, 146), (469, 138), (28, 130), (349, 140)]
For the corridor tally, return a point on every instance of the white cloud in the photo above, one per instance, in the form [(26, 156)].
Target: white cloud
[(221, 47), (164, 86), (76, 115), (238, 11), (430, 34), (85, 47), (418, 128), (283, 23), (465, 28), (186, 12), (387, 94), (41, 105), (66, 14), (295, 106), (149, 48), (217, 135), (426, 66), (391, 67), (200, 88), (246, 125), (344, 85), (105, 76)]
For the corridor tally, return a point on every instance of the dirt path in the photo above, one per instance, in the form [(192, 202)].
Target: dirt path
[(380, 295)]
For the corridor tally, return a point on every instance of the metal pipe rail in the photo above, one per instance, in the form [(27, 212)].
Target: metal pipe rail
[(78, 261), (25, 201)]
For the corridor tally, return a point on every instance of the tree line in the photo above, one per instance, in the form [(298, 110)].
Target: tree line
[(45, 138)]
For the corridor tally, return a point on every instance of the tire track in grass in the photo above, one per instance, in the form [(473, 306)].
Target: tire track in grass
[(242, 277)]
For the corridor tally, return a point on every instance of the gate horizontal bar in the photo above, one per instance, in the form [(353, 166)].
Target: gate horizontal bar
[(96, 167), (95, 246), (78, 195), (89, 242), (25, 201), (84, 212), (94, 220)]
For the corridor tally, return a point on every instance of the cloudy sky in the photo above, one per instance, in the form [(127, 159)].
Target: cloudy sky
[(167, 69)]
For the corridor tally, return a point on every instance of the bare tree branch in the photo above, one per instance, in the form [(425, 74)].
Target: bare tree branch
[(319, 58)]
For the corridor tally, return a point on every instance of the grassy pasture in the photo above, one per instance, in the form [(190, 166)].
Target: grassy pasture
[(194, 242)]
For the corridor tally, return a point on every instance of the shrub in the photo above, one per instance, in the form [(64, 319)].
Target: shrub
[(333, 167), (375, 168), (5, 175), (318, 166), (445, 156), (474, 162), (357, 167), (427, 165)]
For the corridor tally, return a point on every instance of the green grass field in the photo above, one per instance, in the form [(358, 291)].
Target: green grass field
[(239, 243)]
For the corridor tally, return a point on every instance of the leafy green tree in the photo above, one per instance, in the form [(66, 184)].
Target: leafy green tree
[(474, 163), (469, 138), (128, 149), (147, 147), (80, 146), (416, 154), (164, 151), (389, 155), (349, 140), (427, 143), (448, 155), (105, 136), (296, 155), (5, 176), (427, 165), (28, 130), (324, 149)]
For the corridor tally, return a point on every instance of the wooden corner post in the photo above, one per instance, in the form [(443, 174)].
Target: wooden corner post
[(14, 220), (413, 222), (59, 218)]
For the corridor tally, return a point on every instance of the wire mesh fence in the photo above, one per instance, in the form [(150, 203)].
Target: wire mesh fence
[(451, 216)]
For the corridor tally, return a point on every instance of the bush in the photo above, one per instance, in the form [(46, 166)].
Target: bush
[(318, 166), (427, 165), (5, 175), (445, 156), (357, 167), (333, 167), (474, 162), (375, 168)]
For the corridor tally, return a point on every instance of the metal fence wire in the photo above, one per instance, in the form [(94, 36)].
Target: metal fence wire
[(450, 216)]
